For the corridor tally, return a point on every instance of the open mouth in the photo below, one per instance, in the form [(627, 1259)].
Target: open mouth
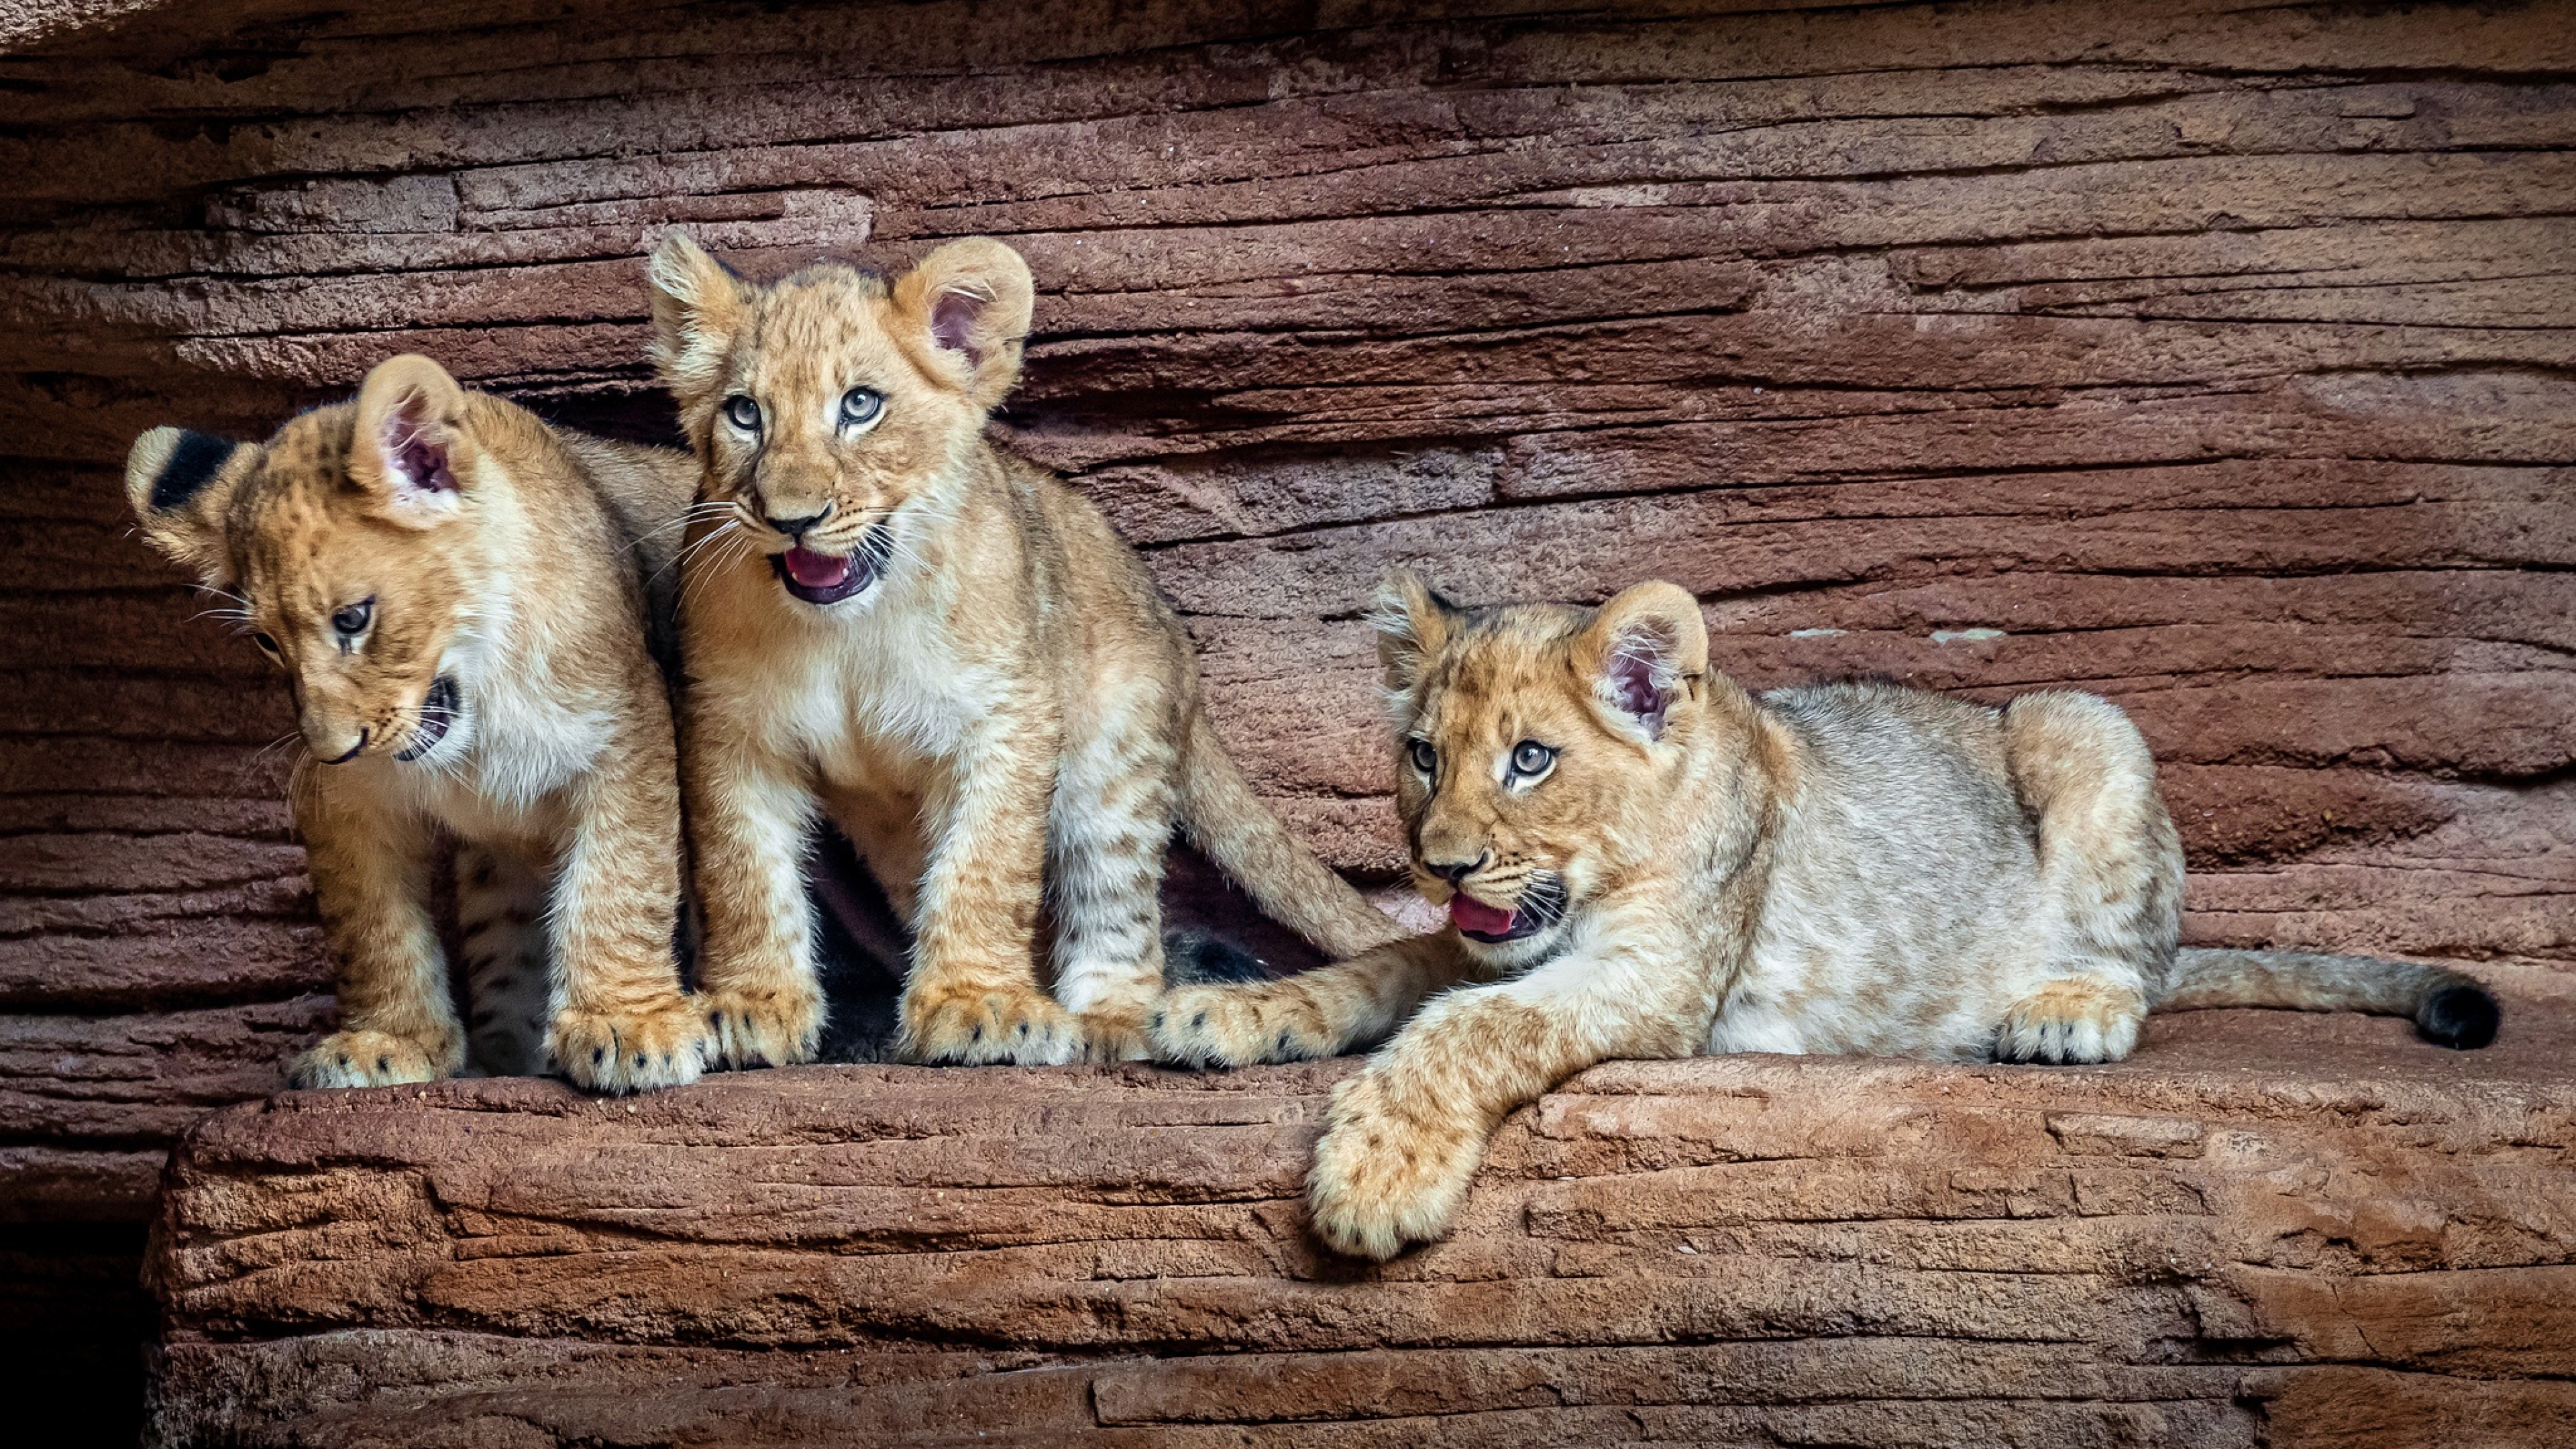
[(828, 578), (437, 712)]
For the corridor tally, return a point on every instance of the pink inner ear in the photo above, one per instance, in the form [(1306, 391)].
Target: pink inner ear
[(1632, 670), (418, 462), (952, 322)]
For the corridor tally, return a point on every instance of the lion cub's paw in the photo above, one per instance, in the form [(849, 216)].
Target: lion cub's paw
[(2076, 1020), (991, 1026), (1115, 1034), (371, 1059), (761, 1028), (1383, 1179), (1235, 1026), (661, 1045)]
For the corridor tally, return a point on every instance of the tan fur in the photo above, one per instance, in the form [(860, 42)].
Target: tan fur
[(508, 559), (1853, 868), (988, 699)]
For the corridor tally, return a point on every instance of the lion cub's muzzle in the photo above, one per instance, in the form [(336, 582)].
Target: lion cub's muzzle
[(1541, 905), (818, 577)]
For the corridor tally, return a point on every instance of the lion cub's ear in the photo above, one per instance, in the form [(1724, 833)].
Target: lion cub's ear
[(699, 309), (1639, 649), (972, 298), (412, 452), (181, 484), (1413, 623)]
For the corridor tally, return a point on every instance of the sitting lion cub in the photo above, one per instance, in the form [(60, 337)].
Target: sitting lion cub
[(453, 589), (1647, 861), (949, 653)]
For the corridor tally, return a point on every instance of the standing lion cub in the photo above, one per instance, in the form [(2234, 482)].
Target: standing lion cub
[(947, 652), (453, 589), (1647, 861)]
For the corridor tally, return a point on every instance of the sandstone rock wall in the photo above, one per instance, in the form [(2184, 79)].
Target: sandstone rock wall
[(2213, 357)]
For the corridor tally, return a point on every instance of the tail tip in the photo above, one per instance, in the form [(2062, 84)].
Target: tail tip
[(2462, 1017), (1192, 958)]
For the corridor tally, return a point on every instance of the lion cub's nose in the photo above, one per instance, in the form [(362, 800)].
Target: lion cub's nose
[(1456, 871), (795, 528)]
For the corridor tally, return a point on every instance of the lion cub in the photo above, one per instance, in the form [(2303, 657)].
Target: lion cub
[(1646, 861), (453, 588), (948, 653)]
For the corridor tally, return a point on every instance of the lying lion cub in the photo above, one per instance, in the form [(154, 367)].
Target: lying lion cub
[(1650, 862), (453, 588), (897, 624)]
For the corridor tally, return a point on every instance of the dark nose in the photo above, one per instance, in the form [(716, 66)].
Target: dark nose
[(1457, 870), (795, 527)]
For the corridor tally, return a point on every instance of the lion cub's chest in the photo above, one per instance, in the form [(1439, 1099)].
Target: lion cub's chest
[(885, 707)]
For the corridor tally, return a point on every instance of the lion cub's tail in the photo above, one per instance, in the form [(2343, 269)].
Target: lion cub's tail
[(2448, 1007), (1238, 832)]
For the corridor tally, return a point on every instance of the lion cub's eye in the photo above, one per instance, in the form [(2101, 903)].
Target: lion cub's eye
[(351, 619), (861, 405), (743, 413), (267, 645), (1529, 758), (1425, 758)]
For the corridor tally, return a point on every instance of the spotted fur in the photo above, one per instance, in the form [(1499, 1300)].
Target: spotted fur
[(1852, 868), (456, 592), (897, 625)]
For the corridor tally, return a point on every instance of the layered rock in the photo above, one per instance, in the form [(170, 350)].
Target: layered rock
[(2263, 1228)]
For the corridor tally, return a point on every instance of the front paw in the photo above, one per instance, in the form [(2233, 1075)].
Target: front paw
[(1235, 1026), (975, 1026), (762, 1028), (1385, 1178), (373, 1059), (661, 1045)]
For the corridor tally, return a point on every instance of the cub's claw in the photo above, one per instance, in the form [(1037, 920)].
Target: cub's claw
[(372, 1059), (662, 1045), (761, 1028), (1236, 1026), (990, 1026), (1383, 1178)]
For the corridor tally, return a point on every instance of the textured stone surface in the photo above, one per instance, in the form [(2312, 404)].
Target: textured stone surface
[(2215, 357), (2262, 1228)]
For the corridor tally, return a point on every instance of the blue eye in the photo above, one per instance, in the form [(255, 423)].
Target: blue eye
[(1529, 757), (1425, 758), (352, 619), (743, 413), (859, 405)]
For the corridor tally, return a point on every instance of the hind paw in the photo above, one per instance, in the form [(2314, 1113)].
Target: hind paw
[(2071, 1022), (373, 1059), (762, 1028)]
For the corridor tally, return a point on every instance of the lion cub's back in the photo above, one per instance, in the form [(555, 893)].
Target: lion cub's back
[(647, 492), (1905, 860)]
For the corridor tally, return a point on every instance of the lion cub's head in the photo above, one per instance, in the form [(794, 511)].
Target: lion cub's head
[(1535, 747), (823, 404), (347, 541)]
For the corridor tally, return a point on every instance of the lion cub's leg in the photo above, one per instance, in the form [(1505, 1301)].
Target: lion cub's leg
[(500, 910), (620, 1022), (748, 815), (1318, 1013), (972, 995), (1112, 822), (2110, 875), (371, 873)]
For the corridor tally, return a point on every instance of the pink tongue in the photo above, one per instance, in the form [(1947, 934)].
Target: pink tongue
[(1471, 914), (816, 570)]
